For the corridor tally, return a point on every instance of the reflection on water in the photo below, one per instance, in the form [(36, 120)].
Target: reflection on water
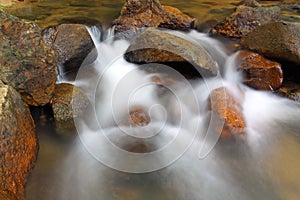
[(263, 166), (52, 12)]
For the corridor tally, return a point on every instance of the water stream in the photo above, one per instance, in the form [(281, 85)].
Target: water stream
[(263, 166)]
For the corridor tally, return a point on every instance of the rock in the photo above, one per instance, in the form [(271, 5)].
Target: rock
[(277, 40), (6, 195), (18, 142), (250, 3), (138, 117), (227, 108), (72, 42), (207, 26), (63, 108), (245, 19), (137, 14), (259, 72), (157, 46), (290, 90), (26, 63)]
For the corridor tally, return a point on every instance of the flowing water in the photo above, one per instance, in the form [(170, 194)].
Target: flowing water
[(265, 165)]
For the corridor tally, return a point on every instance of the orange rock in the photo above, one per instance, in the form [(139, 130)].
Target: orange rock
[(18, 142), (138, 117), (224, 105), (259, 72)]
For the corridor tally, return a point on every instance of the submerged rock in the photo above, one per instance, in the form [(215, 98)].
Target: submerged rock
[(72, 42), (246, 18), (259, 72), (63, 107), (290, 90), (160, 47), (26, 63), (138, 117), (18, 142), (150, 13), (276, 40), (227, 108)]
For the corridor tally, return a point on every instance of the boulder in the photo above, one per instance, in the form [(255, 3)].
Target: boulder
[(26, 63), (155, 46), (65, 109), (72, 42), (259, 72), (229, 110), (18, 142), (245, 19), (137, 14), (277, 40)]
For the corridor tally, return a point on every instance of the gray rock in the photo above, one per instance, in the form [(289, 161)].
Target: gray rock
[(155, 46), (277, 40)]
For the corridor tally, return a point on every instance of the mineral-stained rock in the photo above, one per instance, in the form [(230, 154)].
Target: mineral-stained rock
[(245, 19), (26, 63), (64, 108), (278, 40), (138, 117), (226, 108), (150, 13), (6, 195), (155, 46), (18, 142), (72, 42), (259, 72)]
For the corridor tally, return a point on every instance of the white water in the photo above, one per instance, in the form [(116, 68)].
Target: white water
[(264, 166)]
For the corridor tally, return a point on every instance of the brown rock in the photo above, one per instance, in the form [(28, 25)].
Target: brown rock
[(67, 102), (26, 63), (150, 13), (224, 105), (259, 72), (160, 47), (18, 142), (72, 42), (245, 19), (276, 40)]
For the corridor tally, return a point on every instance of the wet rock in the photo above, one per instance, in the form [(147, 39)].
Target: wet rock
[(26, 63), (227, 108), (72, 42), (65, 109), (160, 47), (245, 19), (207, 26), (259, 72), (290, 90), (138, 117), (18, 142), (150, 13), (277, 40)]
